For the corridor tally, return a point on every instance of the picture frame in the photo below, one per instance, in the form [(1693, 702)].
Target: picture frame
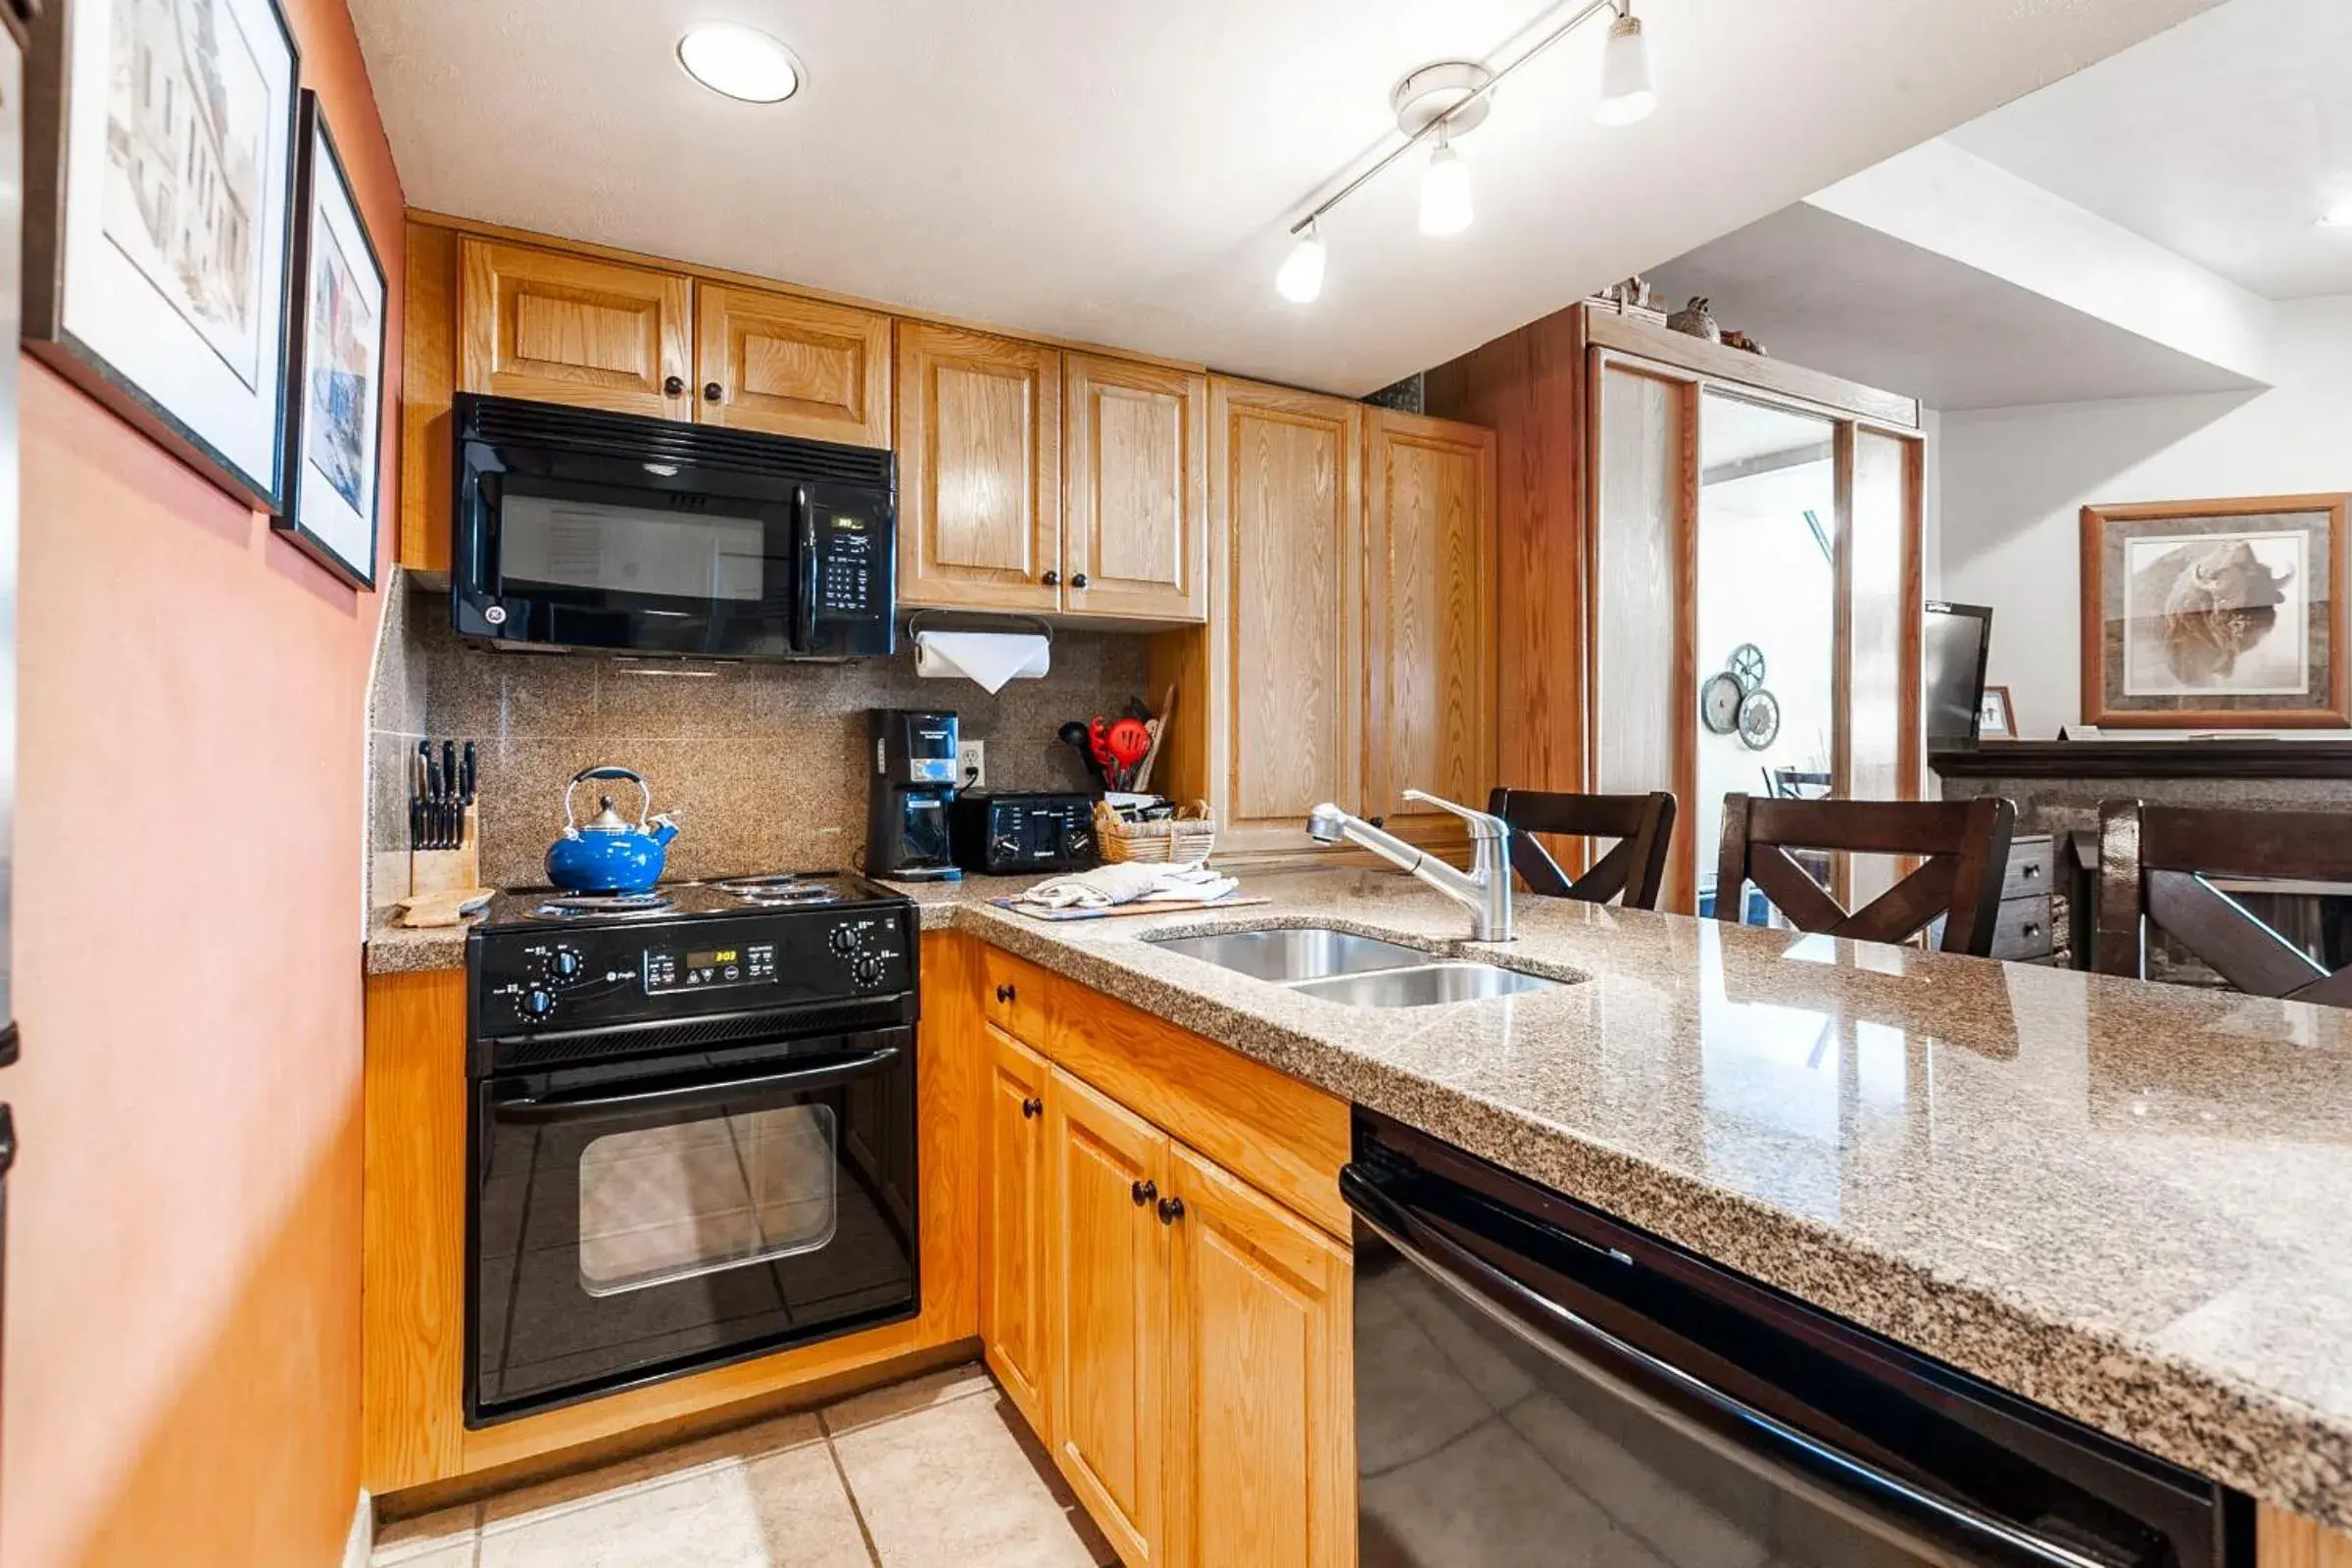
[(2216, 615), (1996, 716), (335, 366), (157, 220)]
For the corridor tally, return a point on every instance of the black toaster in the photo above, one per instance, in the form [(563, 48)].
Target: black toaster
[(1006, 833)]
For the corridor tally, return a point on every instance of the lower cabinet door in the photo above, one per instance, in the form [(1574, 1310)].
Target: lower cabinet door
[(1013, 1225), (1108, 1171), (1261, 1467)]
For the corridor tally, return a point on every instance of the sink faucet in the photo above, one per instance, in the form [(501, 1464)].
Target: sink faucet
[(1485, 888)]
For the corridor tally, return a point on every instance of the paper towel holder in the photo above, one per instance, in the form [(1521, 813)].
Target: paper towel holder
[(988, 623)]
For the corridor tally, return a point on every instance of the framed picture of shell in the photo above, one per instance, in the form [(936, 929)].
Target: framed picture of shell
[(2215, 614)]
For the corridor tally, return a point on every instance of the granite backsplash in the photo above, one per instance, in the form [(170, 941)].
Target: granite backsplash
[(762, 765)]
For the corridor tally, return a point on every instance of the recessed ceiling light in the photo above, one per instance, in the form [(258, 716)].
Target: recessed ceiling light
[(740, 62), (2338, 216)]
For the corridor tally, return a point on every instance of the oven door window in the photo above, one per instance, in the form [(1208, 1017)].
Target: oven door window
[(659, 1205), (669, 572)]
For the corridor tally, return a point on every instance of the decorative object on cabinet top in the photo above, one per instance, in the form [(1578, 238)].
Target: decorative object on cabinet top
[(1694, 320)]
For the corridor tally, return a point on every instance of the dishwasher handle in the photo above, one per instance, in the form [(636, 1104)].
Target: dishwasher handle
[(1693, 1406)]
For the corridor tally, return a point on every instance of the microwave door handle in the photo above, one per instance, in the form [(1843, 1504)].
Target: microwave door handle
[(541, 1108), (805, 565), (1695, 1407)]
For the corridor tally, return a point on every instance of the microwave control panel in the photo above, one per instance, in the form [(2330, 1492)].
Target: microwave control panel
[(850, 564)]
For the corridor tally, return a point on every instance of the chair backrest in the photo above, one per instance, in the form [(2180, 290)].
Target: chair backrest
[(1636, 867), (2156, 865), (1965, 845)]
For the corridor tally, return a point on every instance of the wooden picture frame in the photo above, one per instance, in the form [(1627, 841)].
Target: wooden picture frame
[(2216, 615), (1996, 701), (157, 264), (334, 419)]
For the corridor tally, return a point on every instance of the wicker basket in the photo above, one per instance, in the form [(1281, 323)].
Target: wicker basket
[(1186, 837)]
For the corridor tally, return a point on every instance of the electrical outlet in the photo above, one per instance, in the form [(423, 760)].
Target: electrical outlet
[(971, 764)]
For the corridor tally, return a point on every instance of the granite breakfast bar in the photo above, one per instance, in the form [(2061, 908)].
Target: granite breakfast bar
[(2120, 1201)]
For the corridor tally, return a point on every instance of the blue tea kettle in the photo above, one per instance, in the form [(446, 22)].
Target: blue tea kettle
[(608, 853)]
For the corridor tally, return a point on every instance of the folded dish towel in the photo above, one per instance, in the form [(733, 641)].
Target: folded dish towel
[(1130, 882)]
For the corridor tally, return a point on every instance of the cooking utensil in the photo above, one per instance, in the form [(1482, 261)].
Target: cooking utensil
[(1159, 728), (1098, 741), (1076, 735), (1129, 741)]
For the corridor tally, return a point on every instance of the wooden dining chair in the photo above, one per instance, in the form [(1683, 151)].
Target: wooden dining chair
[(1965, 845), (1634, 867), (2157, 868)]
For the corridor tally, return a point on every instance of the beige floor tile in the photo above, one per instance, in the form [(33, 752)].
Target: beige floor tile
[(904, 1399), (781, 1510), (953, 1483), (594, 1487), (1487, 1498), (405, 1541)]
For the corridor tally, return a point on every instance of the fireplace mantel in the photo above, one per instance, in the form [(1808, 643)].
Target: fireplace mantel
[(2254, 758)]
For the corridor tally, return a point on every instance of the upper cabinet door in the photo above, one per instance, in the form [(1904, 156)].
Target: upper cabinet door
[(562, 328), (791, 367), (1135, 484), (1285, 507), (979, 471), (1429, 591)]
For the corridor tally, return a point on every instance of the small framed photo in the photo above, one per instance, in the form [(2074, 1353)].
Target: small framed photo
[(2215, 614), (334, 427), (158, 197), (1996, 720)]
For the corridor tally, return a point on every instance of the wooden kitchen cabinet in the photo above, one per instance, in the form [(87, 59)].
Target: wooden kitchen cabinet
[(1135, 489), (979, 442), (1262, 1468), (1108, 1281), (1285, 665), (789, 365), (563, 328), (1429, 593), (1013, 1315)]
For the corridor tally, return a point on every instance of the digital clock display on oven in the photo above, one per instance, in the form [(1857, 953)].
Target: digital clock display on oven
[(753, 963)]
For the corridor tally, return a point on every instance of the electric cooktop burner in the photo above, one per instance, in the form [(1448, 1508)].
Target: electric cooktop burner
[(777, 890), (738, 895), (599, 906)]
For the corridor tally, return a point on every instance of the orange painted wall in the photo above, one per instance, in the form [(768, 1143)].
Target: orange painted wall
[(181, 1374)]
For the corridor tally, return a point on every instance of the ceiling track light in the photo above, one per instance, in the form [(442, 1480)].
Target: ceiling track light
[(1452, 97)]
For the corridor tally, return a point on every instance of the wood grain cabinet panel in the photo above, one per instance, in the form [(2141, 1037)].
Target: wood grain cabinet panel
[(1428, 585), (561, 328), (791, 367), (1261, 1467), (1286, 501), (2289, 1540), (979, 471), (1109, 1283), (1135, 489), (1012, 1226)]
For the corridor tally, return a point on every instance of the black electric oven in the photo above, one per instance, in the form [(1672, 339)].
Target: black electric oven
[(576, 528)]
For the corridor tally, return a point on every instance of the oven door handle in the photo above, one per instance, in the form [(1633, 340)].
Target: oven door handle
[(1692, 1405), (539, 1108)]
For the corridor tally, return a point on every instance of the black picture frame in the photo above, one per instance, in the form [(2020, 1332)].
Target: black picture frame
[(315, 135), (48, 108)]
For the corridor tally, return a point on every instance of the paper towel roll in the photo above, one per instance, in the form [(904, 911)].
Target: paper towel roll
[(988, 658)]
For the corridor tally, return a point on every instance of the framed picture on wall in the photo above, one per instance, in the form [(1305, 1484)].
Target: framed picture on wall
[(336, 367), (159, 174), (2215, 614)]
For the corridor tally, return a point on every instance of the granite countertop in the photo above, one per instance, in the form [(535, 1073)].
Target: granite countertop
[(2120, 1201)]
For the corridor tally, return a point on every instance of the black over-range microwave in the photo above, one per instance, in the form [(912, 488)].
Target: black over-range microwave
[(573, 529)]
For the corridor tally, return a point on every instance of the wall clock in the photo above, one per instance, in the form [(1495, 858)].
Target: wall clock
[(1719, 703), (1747, 663), (1759, 721)]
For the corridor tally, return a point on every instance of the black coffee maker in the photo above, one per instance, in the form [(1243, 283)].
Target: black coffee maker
[(907, 795)]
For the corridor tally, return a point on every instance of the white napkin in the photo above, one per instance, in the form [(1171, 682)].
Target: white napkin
[(988, 657), (1130, 882)]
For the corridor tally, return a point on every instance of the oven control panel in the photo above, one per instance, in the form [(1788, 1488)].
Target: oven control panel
[(527, 982)]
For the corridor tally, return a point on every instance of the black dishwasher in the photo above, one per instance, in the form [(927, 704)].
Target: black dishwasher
[(1539, 1384)]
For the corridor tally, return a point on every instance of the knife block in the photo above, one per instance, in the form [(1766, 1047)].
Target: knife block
[(448, 870)]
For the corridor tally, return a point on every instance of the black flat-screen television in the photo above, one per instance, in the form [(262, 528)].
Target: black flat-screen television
[(1952, 649)]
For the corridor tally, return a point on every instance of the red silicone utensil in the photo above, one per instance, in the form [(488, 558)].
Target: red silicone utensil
[(1129, 740)]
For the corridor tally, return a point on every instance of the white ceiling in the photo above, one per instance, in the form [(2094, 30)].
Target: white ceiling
[(1843, 297), (2223, 139), (1124, 170)]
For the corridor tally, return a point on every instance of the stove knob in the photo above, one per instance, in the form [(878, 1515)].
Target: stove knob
[(843, 940), (866, 970), (567, 964), (538, 1002)]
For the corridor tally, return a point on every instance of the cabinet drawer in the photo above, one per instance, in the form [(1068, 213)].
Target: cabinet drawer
[(2030, 869), (1012, 993), (2022, 930)]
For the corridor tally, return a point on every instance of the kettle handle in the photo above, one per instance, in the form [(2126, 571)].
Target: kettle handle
[(645, 794)]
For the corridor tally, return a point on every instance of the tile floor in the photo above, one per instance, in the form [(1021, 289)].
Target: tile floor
[(935, 1471)]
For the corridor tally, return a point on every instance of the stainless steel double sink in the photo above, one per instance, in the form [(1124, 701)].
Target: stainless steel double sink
[(1355, 971)]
